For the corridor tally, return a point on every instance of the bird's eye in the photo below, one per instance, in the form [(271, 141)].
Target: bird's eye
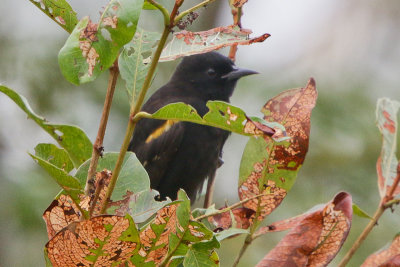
[(211, 72)]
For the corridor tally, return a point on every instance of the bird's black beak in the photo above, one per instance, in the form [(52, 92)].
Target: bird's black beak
[(238, 73)]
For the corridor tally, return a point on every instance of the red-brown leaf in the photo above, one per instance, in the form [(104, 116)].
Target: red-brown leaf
[(242, 216), (386, 257), (316, 239)]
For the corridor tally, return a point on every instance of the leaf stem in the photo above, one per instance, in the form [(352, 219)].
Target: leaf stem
[(163, 10), (186, 12), (237, 15), (98, 144)]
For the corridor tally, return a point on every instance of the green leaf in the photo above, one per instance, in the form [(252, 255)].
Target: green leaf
[(54, 155), (187, 43), (200, 258), (71, 138), (221, 115), (148, 6), (67, 182), (134, 60), (144, 205), (60, 11), (92, 48), (386, 119), (133, 177), (230, 232), (359, 212)]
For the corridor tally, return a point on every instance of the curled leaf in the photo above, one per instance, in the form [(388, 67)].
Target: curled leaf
[(187, 43), (386, 166)]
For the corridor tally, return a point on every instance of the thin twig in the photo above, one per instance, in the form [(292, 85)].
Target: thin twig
[(362, 237), (383, 205), (201, 217), (98, 144), (246, 244), (210, 190), (186, 12), (237, 15)]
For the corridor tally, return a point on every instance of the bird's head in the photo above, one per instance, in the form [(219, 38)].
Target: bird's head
[(212, 75)]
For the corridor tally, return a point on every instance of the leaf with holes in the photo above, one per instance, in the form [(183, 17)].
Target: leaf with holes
[(60, 214), (60, 11), (187, 43), (71, 138), (271, 167), (134, 60), (92, 48), (221, 115), (101, 241), (385, 257), (386, 119), (315, 239), (169, 236)]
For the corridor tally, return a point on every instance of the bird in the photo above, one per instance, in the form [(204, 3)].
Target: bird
[(179, 154)]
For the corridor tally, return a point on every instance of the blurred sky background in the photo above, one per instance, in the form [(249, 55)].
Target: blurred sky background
[(351, 48)]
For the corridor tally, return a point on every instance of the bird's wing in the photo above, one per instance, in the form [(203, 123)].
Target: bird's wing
[(155, 143)]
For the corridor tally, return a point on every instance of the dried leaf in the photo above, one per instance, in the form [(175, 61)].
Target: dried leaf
[(271, 167), (187, 43), (60, 214), (243, 218), (386, 119), (101, 241), (387, 257), (316, 239)]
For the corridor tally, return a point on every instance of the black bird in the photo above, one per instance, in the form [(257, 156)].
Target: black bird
[(182, 154)]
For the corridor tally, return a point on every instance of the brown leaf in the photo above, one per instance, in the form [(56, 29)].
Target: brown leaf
[(277, 170), (165, 218), (281, 225), (102, 181), (316, 239), (292, 109), (386, 257), (60, 214), (243, 218), (94, 242), (266, 203)]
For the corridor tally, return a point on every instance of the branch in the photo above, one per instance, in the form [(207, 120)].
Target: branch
[(98, 144), (237, 15)]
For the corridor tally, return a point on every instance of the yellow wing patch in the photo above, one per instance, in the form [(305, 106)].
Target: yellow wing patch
[(160, 130)]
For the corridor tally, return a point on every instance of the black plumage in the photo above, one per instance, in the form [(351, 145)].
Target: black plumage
[(182, 154)]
